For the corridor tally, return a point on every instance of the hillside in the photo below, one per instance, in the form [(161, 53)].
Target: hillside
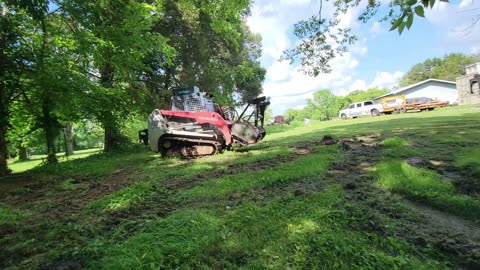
[(397, 191)]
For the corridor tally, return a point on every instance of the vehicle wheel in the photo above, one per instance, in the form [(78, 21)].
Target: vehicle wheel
[(431, 109), (343, 116), (375, 112)]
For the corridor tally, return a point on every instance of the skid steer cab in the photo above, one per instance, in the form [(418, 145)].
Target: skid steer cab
[(196, 126)]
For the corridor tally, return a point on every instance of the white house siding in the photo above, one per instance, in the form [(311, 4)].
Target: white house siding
[(435, 90), (438, 90)]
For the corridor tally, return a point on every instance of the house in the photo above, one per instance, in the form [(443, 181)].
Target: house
[(468, 86), (431, 88), (279, 119)]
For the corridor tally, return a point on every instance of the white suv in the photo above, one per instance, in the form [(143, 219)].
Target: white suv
[(361, 108)]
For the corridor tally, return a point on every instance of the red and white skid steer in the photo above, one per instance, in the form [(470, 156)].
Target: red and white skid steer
[(196, 126)]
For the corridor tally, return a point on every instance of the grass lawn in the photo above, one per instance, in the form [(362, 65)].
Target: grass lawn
[(33, 161), (396, 192)]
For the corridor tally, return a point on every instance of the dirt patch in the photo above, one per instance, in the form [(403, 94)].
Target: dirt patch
[(419, 224), (64, 205), (465, 181)]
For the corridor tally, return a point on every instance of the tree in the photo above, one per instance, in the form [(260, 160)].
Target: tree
[(15, 60), (360, 95), (448, 68), (322, 105), (116, 37), (215, 50), (292, 114), (323, 38)]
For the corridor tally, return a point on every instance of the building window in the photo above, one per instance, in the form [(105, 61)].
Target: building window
[(475, 85)]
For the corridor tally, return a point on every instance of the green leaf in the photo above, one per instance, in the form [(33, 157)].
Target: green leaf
[(396, 23), (432, 2), (401, 27), (409, 20), (425, 3), (420, 11), (411, 2)]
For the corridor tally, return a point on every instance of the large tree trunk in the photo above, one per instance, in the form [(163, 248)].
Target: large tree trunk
[(3, 152), (22, 153), (111, 139), (50, 126), (4, 99), (68, 131), (111, 142)]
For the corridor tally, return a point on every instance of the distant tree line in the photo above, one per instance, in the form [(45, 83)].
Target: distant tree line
[(325, 105), (70, 65), (447, 68)]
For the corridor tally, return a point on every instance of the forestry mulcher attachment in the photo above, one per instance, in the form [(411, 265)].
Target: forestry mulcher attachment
[(196, 126)]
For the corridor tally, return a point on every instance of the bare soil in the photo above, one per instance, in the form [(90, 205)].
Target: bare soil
[(419, 224)]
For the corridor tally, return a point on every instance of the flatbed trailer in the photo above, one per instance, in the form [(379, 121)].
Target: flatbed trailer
[(400, 104)]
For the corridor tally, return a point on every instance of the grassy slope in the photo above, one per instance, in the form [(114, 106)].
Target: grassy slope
[(266, 208)]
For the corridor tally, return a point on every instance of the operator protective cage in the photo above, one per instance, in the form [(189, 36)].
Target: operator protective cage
[(190, 99)]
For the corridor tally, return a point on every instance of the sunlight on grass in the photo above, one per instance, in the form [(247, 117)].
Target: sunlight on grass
[(437, 121), (97, 165), (125, 198), (35, 160), (295, 233), (167, 243), (398, 147), (425, 186)]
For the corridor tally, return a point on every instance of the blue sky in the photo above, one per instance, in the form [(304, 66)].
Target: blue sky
[(378, 59)]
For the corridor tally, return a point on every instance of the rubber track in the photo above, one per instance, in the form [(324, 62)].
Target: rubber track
[(183, 142)]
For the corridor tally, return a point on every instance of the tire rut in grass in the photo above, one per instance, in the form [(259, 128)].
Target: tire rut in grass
[(165, 202), (298, 150), (454, 237)]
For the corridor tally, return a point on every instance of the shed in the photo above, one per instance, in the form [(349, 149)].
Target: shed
[(432, 88), (468, 86)]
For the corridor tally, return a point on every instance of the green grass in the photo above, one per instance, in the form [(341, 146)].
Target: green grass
[(68, 184), (96, 165), (36, 160), (398, 147), (125, 198), (9, 215), (469, 160), (154, 223), (425, 186), (311, 165), (303, 233)]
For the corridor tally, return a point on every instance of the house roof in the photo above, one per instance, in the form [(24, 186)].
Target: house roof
[(414, 85)]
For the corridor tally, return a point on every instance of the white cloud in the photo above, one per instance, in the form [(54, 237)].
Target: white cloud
[(475, 49), (456, 21), (386, 79), (273, 20), (279, 71), (358, 85), (466, 3), (376, 29), (287, 86)]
